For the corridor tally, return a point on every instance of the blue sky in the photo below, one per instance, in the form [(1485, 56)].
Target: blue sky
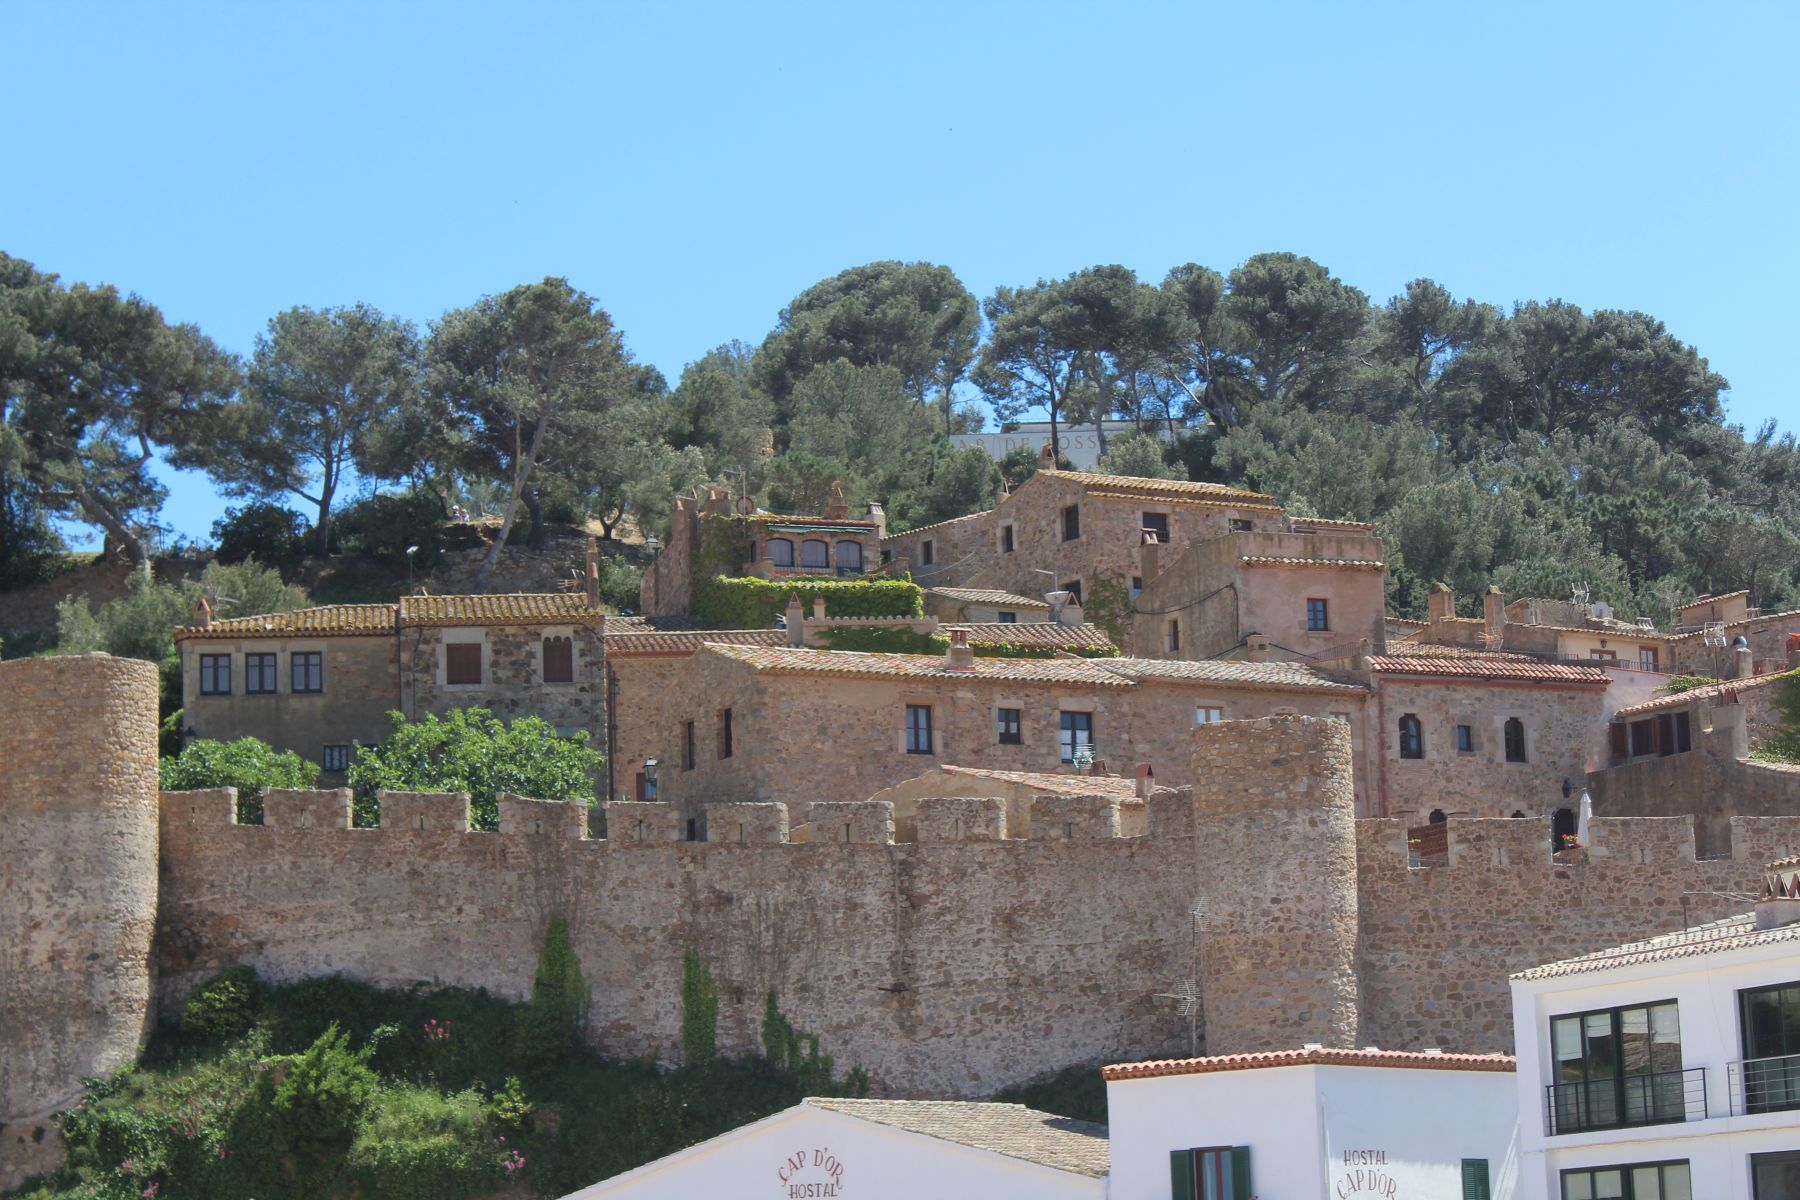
[(696, 165)]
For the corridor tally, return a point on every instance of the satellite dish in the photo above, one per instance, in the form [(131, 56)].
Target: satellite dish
[(745, 506)]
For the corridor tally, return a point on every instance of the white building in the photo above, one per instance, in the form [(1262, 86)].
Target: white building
[(882, 1150), (1079, 443), (1314, 1124), (1669, 1068)]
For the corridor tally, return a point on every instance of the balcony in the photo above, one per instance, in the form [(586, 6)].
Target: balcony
[(1764, 1085), (1663, 1098)]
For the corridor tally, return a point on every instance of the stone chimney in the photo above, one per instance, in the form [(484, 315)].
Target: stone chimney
[(1743, 663), (1441, 604), (202, 612), (835, 507), (1047, 458), (1149, 557), (1493, 612), (1070, 613), (1256, 648), (878, 514), (593, 573), (818, 608), (795, 620), (959, 657), (1146, 781), (1780, 901)]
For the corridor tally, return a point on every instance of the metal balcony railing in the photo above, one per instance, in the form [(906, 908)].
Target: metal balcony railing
[(1663, 1098), (1762, 1085)]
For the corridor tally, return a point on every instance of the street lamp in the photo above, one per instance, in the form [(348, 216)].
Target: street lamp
[(650, 765)]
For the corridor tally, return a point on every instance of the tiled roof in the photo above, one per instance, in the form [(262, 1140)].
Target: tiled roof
[(618, 623), (1232, 673), (986, 596), (1489, 667), (1712, 691), (1078, 1147), (1410, 647), (327, 620), (1322, 1056), (1123, 484), (786, 660), (630, 643), (1348, 564), (1405, 623), (1701, 601), (1062, 785), (1618, 630), (1201, 501), (1732, 933), (936, 525), (1744, 623), (762, 518), (1296, 522), (1037, 633), (518, 608)]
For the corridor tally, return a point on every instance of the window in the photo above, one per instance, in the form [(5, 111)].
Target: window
[(927, 552), (1174, 634), (1212, 1173), (1514, 731), (1647, 658), (815, 553), (306, 671), (462, 663), (1239, 525), (1775, 1176), (1475, 1179), (1437, 817), (1412, 737), (1603, 655), (1207, 714), (1006, 722), (1770, 1027), (1616, 1067), (1077, 736), (1317, 620), (335, 758), (1465, 739), (1006, 539), (918, 729), (690, 747), (779, 551), (725, 746), (849, 556), (1007, 618), (1071, 517), (559, 660), (1137, 586), (1074, 589), (646, 790), (1157, 523), (1645, 1181), (215, 674), (1672, 733), (259, 674)]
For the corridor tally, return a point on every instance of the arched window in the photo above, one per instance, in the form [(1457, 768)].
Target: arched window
[(779, 551), (1517, 813), (1515, 740), (559, 660), (1412, 737), (1437, 817), (849, 556), (815, 553)]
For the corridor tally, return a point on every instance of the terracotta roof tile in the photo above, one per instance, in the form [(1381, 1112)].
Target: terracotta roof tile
[(1037, 633), (937, 525), (1745, 623), (327, 620), (787, 660), (1732, 933), (1726, 690), (1700, 601), (1062, 785), (1488, 667), (1129, 484), (1298, 522), (1322, 1056), (1348, 564), (623, 623), (1234, 673), (518, 608), (641, 642), (1078, 1147), (986, 596), (1410, 647)]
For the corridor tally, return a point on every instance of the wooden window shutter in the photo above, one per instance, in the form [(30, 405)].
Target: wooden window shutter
[(1619, 733), (462, 662), (1475, 1179), (1240, 1173), (1181, 1175), (559, 660)]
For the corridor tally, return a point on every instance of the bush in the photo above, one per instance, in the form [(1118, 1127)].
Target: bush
[(247, 764), (471, 750), (318, 1095), (727, 603), (620, 584), (265, 531), (699, 1010), (418, 1144), (550, 1028), (384, 524), (225, 1006)]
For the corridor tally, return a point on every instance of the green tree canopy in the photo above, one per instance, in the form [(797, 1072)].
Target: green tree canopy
[(248, 764)]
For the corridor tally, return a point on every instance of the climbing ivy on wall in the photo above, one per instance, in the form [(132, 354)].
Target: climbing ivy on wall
[(1108, 605), (755, 603)]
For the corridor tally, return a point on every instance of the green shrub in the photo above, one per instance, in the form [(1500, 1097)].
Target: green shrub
[(225, 1006), (384, 524), (621, 584), (1685, 683), (724, 603), (247, 764), (419, 1144), (269, 532), (699, 1010), (318, 1095), (550, 1028)]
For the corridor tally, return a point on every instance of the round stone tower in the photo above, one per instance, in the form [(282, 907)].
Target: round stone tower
[(78, 831), (1275, 839)]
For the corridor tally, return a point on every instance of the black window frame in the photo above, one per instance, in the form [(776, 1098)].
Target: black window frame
[(1009, 725), (927, 552), (1006, 539), (1318, 614), (1769, 1158), (690, 746), (1069, 722), (1770, 1074), (727, 737), (1157, 523), (1071, 522), (919, 736), (1465, 739), (1412, 736), (1006, 617), (1627, 1188), (1599, 1095), (210, 667), (306, 672), (261, 667), (1512, 736), (341, 752)]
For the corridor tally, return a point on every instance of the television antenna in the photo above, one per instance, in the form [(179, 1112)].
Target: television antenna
[(1579, 593), (1187, 991)]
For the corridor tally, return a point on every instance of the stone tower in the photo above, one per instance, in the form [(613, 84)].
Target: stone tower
[(78, 832), (1275, 840)]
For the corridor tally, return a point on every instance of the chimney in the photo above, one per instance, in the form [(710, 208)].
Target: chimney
[(593, 573), (1743, 663), (1047, 458), (1070, 613), (1150, 557), (1146, 781), (202, 612), (835, 507), (1361, 662), (878, 514), (1493, 611), (1441, 604), (818, 608), (1256, 648), (959, 657), (795, 620), (1780, 901)]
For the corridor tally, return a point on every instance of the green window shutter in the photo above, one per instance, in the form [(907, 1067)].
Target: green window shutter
[(1240, 1173), (1475, 1179), (1181, 1175)]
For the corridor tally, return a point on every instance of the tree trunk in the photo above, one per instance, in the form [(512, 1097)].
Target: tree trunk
[(322, 528), (116, 529), (535, 506), (522, 469)]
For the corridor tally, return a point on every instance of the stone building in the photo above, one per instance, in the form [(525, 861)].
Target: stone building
[(955, 606), (736, 538)]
